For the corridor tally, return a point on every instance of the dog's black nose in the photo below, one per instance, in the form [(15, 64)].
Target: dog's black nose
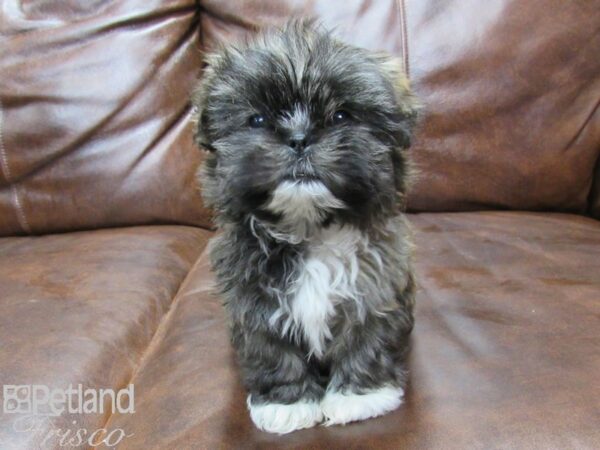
[(298, 143)]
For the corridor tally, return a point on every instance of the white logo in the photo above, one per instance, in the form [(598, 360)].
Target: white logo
[(40, 400), (36, 406)]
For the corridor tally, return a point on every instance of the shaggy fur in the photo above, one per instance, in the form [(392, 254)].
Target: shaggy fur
[(307, 173)]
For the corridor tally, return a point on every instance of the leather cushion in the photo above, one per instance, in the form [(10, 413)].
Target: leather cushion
[(95, 116), (511, 90), (82, 308), (504, 350), (95, 120)]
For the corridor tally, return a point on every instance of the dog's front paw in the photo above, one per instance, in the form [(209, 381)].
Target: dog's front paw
[(281, 419), (340, 408)]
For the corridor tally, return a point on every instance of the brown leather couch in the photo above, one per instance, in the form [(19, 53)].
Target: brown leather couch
[(104, 279)]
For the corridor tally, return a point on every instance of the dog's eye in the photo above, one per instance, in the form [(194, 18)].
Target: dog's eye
[(257, 121), (340, 116)]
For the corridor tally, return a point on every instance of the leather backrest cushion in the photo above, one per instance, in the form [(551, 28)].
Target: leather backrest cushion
[(509, 87), (95, 118), (95, 121), (512, 90)]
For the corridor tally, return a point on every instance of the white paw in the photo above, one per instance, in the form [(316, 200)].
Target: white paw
[(281, 419), (342, 407)]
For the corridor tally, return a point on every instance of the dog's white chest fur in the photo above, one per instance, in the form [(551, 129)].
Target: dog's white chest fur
[(328, 275)]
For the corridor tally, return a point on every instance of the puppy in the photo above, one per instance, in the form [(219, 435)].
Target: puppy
[(306, 172)]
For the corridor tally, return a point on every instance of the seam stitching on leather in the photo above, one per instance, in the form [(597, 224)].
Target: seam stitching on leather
[(160, 328), (21, 217), (3, 159), (403, 36), (20, 210)]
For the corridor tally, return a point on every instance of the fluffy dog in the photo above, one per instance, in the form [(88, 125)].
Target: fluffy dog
[(306, 172)]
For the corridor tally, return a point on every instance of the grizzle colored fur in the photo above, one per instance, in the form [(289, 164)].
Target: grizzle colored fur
[(309, 196)]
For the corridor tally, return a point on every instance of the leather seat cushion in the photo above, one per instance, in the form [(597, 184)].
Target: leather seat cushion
[(82, 308), (505, 349)]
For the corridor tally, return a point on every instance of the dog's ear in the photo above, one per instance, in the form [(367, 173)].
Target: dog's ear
[(392, 69), (200, 98)]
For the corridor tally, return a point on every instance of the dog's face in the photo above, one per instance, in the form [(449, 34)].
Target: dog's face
[(303, 127)]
